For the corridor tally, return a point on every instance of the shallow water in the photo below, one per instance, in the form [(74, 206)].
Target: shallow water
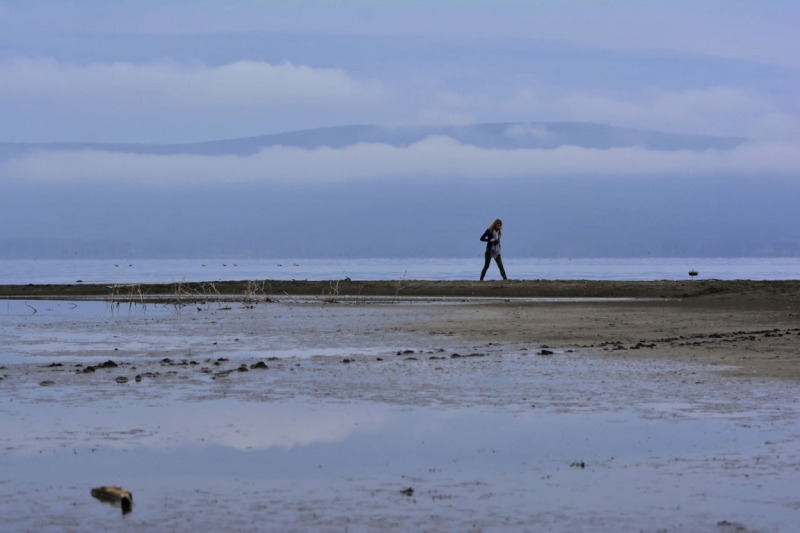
[(486, 440), (311, 464), (173, 270)]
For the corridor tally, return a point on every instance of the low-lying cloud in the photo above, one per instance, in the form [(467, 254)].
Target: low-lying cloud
[(432, 158), (719, 110), (242, 84)]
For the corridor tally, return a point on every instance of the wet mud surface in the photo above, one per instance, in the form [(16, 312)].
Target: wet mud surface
[(354, 289), (499, 416)]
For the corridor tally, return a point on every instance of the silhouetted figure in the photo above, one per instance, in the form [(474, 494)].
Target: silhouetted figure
[(492, 239)]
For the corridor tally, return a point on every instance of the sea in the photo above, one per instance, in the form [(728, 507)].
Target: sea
[(189, 270)]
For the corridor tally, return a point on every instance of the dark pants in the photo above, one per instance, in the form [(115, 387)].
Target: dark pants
[(499, 262)]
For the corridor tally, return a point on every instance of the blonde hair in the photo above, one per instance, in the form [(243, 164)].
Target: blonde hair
[(494, 226)]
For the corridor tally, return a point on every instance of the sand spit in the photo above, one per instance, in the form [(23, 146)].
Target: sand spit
[(759, 290), (749, 327)]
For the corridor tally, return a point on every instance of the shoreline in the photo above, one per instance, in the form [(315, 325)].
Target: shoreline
[(751, 328), (421, 288)]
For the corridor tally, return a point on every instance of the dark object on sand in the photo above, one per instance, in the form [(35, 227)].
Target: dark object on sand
[(578, 464), (108, 364), (545, 352), (121, 379), (260, 364), (407, 492), (115, 496), (693, 273)]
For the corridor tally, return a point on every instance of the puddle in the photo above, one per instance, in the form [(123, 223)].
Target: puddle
[(320, 465)]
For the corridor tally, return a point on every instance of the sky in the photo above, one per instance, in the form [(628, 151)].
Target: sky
[(146, 71)]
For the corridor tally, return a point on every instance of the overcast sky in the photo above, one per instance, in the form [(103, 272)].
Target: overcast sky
[(173, 71)]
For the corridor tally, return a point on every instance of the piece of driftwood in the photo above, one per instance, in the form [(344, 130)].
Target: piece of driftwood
[(115, 496)]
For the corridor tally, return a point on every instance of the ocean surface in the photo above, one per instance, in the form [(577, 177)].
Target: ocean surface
[(170, 270)]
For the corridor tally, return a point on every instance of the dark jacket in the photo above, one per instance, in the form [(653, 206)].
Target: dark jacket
[(487, 238)]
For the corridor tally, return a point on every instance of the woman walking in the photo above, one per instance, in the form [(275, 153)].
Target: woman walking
[(492, 239)]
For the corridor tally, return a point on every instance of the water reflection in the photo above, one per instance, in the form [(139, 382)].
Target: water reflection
[(306, 461)]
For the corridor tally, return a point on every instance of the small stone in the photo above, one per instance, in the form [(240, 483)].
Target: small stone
[(47, 383), (121, 379), (407, 492)]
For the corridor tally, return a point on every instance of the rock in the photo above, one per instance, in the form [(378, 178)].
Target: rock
[(47, 383), (108, 364), (243, 368), (407, 492), (53, 365), (347, 361), (545, 352), (88, 369), (138, 378), (121, 379), (260, 364), (115, 496), (578, 464)]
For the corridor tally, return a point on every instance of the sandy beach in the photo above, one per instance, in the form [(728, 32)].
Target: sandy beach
[(316, 406)]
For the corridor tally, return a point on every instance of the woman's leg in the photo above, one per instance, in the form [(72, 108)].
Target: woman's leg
[(499, 262), (488, 259)]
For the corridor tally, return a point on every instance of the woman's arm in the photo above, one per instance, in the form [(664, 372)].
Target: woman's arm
[(486, 237)]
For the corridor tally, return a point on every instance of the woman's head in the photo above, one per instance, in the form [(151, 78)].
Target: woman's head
[(497, 226)]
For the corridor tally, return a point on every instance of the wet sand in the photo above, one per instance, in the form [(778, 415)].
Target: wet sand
[(299, 414), (749, 325), (741, 290)]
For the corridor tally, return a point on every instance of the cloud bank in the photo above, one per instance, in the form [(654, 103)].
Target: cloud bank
[(718, 110), (433, 158), (241, 84)]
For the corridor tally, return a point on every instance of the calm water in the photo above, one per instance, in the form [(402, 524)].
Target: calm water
[(311, 463), (168, 270)]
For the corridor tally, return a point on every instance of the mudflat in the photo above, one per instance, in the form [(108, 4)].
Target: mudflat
[(750, 327), (446, 406), (743, 290)]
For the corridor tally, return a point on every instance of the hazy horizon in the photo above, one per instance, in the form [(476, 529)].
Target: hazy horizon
[(400, 129)]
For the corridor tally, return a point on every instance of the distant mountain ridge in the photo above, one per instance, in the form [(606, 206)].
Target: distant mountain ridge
[(504, 136)]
